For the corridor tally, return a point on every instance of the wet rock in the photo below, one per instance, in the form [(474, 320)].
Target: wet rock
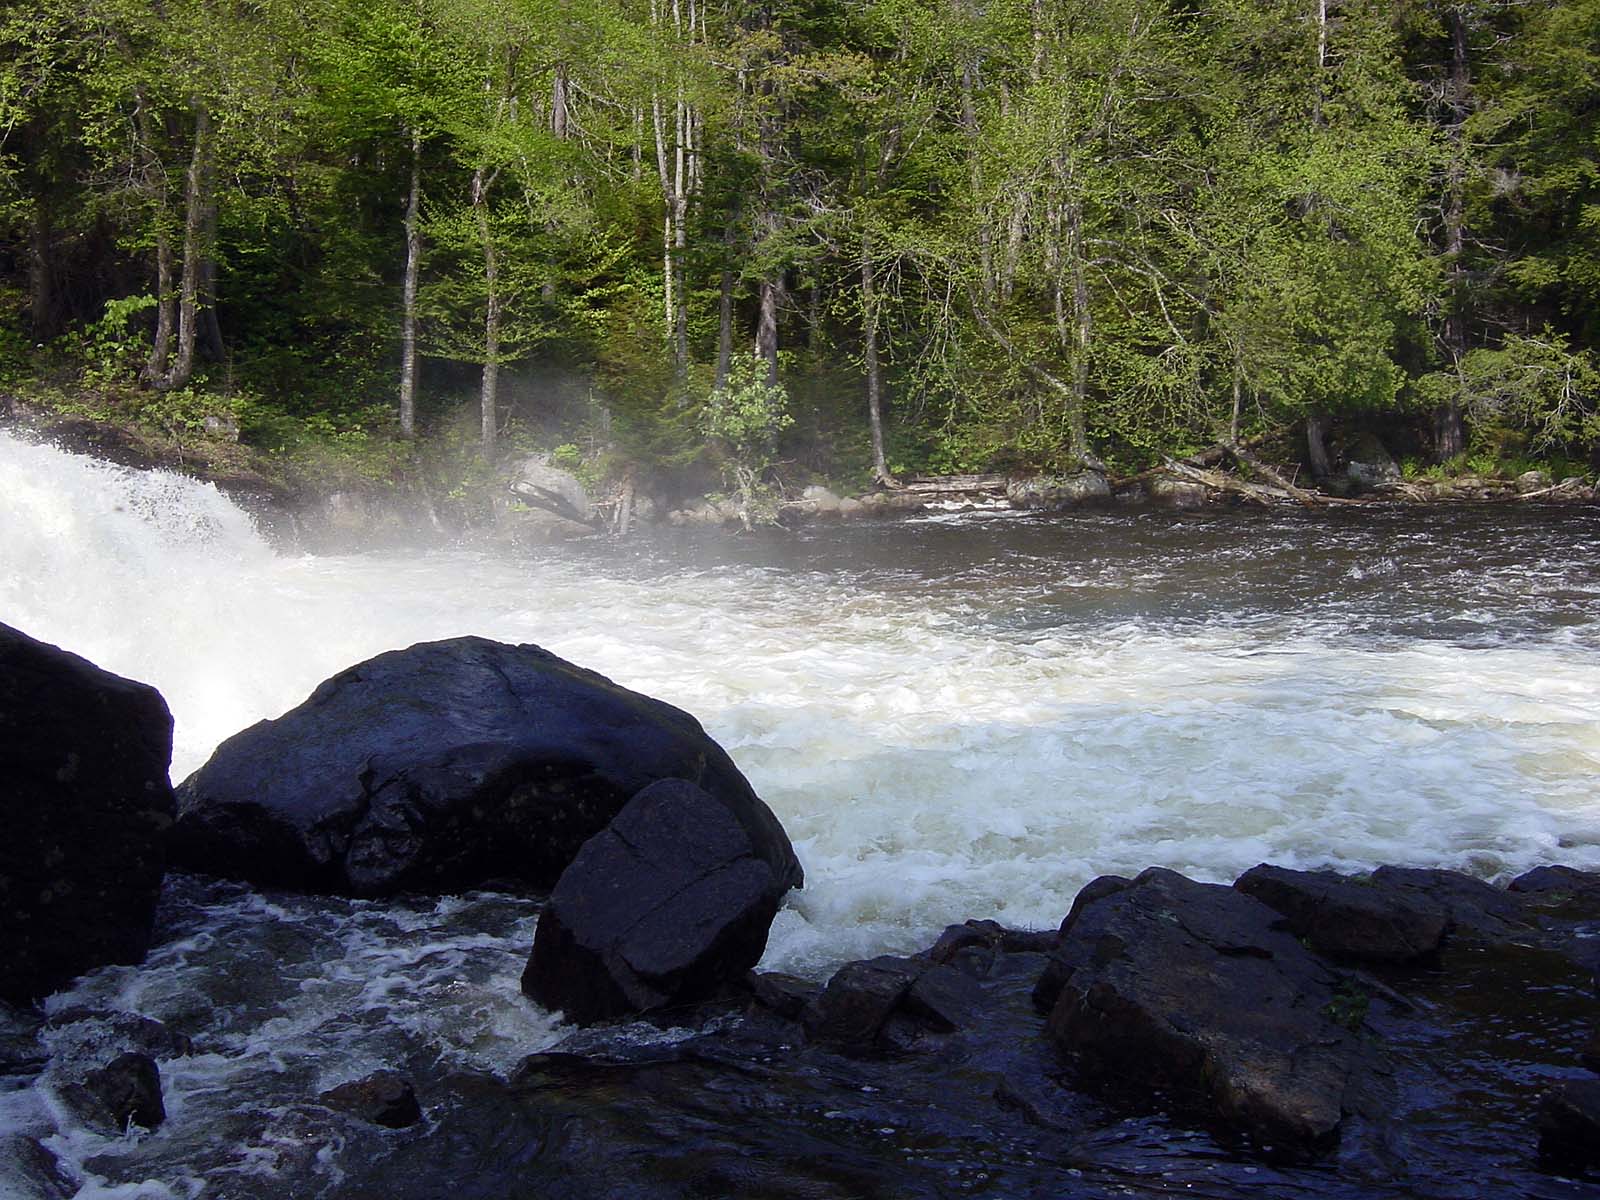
[(120, 1031), (822, 501), (126, 1090), (1561, 891), (785, 995), (87, 810), (383, 1098), (542, 485), (1057, 969), (944, 999), (1370, 466), (536, 526), (1177, 493), (29, 1171), (970, 947), (1532, 481), (1194, 991), (1569, 1124), (858, 1001), (1476, 910), (438, 767), (891, 1003), (1347, 918), (666, 907), (1056, 493), (1590, 1055)]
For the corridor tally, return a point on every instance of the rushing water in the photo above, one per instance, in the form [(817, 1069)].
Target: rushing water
[(953, 716)]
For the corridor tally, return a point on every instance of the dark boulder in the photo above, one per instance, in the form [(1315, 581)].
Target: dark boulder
[(779, 993), (1348, 918), (1562, 891), (889, 1003), (1193, 993), (126, 1090), (87, 809), (668, 906), (1477, 911), (1569, 1124), (445, 765), (1057, 968), (383, 1098)]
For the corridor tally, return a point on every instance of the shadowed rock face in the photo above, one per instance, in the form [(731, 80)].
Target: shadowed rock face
[(87, 808), (665, 907), (1192, 995), (444, 766)]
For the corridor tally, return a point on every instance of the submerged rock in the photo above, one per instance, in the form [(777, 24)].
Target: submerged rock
[(29, 1171), (666, 907), (1193, 993), (445, 765), (1569, 1124), (1356, 920), (383, 1098), (126, 1090), (87, 809)]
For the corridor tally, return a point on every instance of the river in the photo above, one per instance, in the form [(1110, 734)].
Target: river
[(954, 715)]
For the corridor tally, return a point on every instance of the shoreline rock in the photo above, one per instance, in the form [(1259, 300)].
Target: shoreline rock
[(87, 808)]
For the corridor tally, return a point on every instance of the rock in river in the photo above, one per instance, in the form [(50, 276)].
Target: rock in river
[(1171, 992), (87, 808), (665, 907), (1344, 917), (446, 765)]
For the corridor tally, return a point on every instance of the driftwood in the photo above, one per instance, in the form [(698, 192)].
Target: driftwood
[(1217, 481), (942, 485)]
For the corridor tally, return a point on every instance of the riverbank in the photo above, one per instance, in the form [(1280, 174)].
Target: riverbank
[(324, 496)]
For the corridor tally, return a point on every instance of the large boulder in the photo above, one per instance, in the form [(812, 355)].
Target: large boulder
[(666, 907), (1057, 493), (1344, 917), (87, 808), (443, 766), (538, 482), (1191, 995)]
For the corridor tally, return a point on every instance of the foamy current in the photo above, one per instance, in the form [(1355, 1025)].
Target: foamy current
[(953, 717)]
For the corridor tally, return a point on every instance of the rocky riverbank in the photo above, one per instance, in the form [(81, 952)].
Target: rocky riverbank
[(1404, 1032), (530, 500)]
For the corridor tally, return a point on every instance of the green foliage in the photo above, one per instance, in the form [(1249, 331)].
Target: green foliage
[(1090, 226), (743, 419), (110, 350)]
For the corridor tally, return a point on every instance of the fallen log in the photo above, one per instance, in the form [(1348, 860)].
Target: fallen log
[(942, 485)]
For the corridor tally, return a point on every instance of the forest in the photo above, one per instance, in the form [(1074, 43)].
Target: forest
[(849, 240)]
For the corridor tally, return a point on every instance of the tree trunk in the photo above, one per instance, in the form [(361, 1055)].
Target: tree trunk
[(488, 396), (1317, 444), (869, 334), (1449, 424), (43, 319), (408, 294), (724, 327), (166, 308), (1082, 338), (197, 192), (211, 343), (558, 103), (767, 325), (969, 123)]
